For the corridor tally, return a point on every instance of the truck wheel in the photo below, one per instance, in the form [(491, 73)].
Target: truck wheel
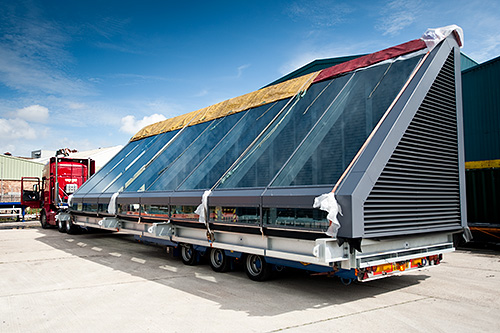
[(188, 254), (219, 261), (43, 220), (71, 228), (61, 226), (257, 268)]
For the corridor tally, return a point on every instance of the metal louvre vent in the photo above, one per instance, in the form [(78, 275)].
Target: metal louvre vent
[(418, 190)]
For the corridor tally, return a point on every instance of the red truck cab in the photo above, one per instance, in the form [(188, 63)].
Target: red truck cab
[(62, 176)]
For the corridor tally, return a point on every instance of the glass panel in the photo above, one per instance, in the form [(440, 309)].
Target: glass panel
[(102, 208), (314, 219), (337, 137), (89, 207), (184, 212), (246, 215), (117, 170), (231, 147), (175, 148), (178, 170), (129, 209), (128, 170), (97, 177), (155, 211), (274, 148)]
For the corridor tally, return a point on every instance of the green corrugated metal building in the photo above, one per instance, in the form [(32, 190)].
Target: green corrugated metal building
[(481, 98), (14, 168), (481, 101)]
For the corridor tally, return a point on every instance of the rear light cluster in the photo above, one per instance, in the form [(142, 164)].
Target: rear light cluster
[(382, 270)]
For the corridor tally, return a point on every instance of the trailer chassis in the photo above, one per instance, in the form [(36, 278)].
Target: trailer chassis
[(377, 258)]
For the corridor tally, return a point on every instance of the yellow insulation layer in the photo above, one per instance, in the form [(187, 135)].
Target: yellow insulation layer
[(262, 96)]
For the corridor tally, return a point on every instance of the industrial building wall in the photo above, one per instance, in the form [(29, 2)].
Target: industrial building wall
[(481, 99), (10, 190), (12, 169)]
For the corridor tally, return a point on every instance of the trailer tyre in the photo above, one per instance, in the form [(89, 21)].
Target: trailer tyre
[(188, 254), (219, 261), (61, 226), (257, 268)]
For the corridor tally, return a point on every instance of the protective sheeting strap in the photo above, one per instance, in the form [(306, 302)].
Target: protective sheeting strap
[(112, 203), (328, 203), (433, 37), (202, 209), (370, 59)]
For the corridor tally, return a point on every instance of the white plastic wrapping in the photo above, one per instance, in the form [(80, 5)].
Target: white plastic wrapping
[(432, 37), (112, 203), (328, 203), (202, 209)]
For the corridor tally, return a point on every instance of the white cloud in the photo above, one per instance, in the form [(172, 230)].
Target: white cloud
[(320, 13), (490, 48), (131, 125), (201, 93), (33, 53), (13, 129), (397, 15), (76, 106), (34, 113), (241, 69)]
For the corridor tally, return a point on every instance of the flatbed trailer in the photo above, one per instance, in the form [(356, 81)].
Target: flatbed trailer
[(12, 210), (261, 255)]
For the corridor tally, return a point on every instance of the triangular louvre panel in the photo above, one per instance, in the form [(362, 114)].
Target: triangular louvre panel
[(419, 189)]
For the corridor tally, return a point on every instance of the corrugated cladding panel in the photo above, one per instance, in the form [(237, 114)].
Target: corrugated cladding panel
[(483, 193), (13, 168), (466, 62), (481, 101)]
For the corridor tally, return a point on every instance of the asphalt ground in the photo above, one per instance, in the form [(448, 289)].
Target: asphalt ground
[(105, 282)]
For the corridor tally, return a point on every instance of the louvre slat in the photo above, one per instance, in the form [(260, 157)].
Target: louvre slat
[(403, 210), (427, 162), (429, 216)]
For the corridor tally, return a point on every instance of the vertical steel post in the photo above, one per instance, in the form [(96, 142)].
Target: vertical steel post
[(56, 188)]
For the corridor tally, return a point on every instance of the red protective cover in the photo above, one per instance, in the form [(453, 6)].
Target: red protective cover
[(370, 59)]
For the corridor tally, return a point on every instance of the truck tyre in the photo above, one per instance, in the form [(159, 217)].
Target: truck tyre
[(219, 261), (71, 228), (43, 220), (61, 226), (257, 268), (188, 254)]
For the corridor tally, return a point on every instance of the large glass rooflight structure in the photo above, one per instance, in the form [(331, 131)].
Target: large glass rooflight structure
[(381, 132)]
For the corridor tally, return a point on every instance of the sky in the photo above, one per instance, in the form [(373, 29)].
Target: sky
[(90, 74)]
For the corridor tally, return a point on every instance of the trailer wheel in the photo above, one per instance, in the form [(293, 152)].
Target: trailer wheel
[(188, 254), (43, 220), (257, 268), (61, 226), (219, 261)]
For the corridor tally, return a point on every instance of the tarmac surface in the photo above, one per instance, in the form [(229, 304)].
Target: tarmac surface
[(108, 282)]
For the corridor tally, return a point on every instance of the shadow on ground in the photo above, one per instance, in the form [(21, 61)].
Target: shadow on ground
[(291, 291)]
